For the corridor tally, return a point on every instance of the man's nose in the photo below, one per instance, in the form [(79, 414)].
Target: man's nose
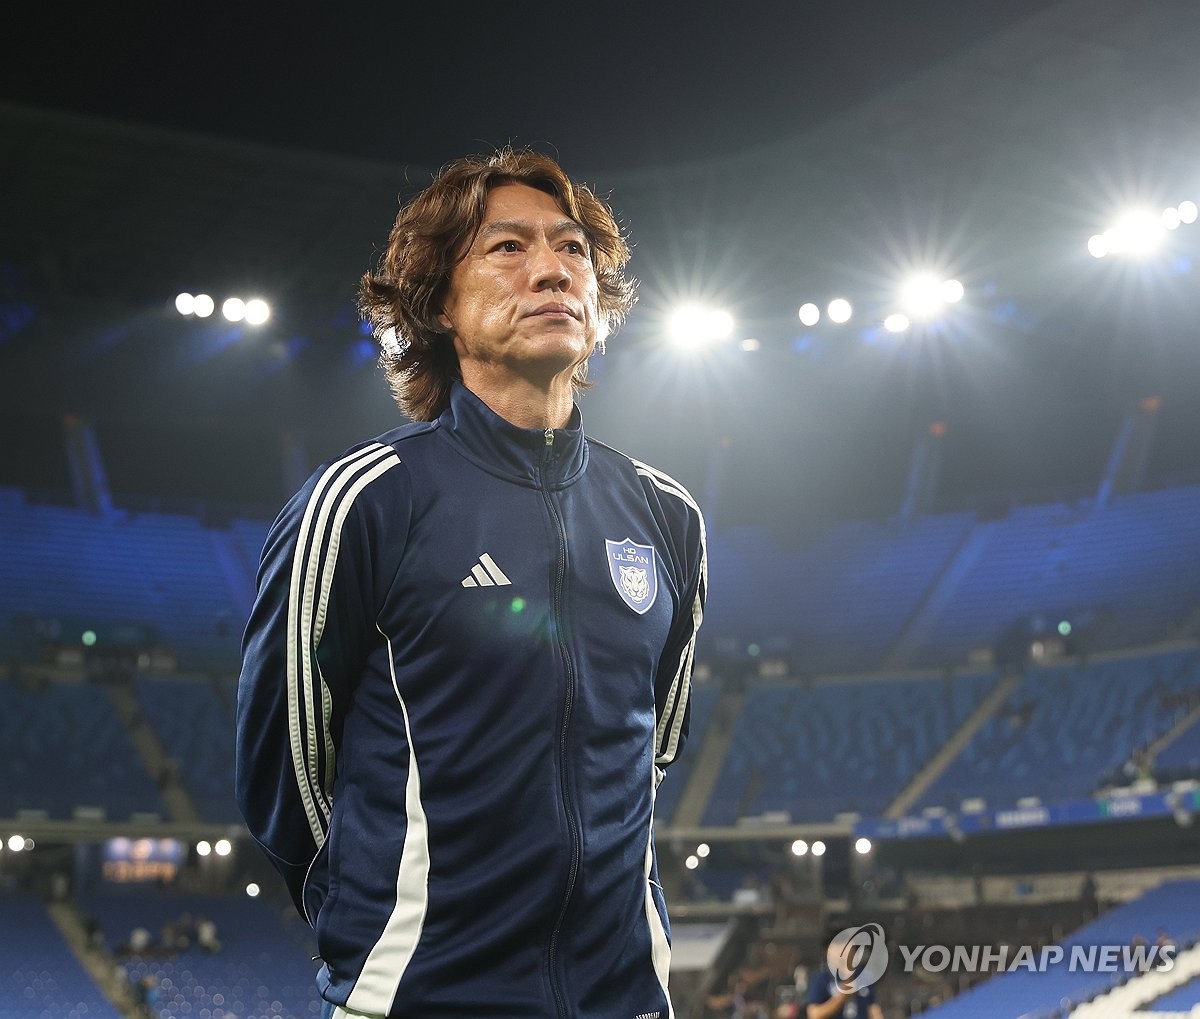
[(549, 270)]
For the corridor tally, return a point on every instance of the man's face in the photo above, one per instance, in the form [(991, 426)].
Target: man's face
[(523, 300)]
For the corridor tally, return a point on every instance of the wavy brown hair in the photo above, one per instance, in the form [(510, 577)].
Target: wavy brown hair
[(432, 233)]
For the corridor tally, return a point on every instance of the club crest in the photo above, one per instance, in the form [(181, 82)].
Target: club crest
[(633, 573)]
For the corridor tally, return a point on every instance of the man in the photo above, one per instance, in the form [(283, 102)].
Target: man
[(470, 656), (827, 1001)]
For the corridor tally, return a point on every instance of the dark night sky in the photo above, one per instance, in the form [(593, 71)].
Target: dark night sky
[(616, 86)]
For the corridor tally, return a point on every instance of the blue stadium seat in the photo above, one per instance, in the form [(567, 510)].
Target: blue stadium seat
[(1174, 907), (155, 570), (1066, 727), (39, 975), (194, 720), (263, 970), (65, 747), (837, 747)]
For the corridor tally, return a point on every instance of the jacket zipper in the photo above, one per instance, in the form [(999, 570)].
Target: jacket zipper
[(568, 704)]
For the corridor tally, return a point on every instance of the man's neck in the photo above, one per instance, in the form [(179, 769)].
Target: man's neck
[(522, 402)]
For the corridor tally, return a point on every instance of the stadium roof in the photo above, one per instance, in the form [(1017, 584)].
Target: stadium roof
[(992, 141)]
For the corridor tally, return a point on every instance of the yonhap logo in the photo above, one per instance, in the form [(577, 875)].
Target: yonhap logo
[(857, 957)]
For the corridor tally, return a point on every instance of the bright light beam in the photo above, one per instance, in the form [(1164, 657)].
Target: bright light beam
[(922, 296), (1137, 233), (695, 327)]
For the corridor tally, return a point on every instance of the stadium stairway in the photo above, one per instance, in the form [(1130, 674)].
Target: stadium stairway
[(708, 759), (1172, 735), (937, 764), (41, 976), (153, 756), (1127, 1000), (98, 963), (237, 572), (917, 629)]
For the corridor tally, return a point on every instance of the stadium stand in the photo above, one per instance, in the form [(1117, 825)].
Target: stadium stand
[(65, 749), (1173, 907), (848, 598), (804, 750), (39, 976), (194, 720), (818, 751), (1180, 759), (155, 571), (1167, 994), (1065, 727), (262, 970), (798, 597), (1126, 568)]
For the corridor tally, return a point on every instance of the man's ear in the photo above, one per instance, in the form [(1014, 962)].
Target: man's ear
[(444, 322)]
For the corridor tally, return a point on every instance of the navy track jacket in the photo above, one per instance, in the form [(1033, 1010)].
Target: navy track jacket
[(468, 663)]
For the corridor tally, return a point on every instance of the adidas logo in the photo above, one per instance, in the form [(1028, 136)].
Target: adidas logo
[(486, 573)]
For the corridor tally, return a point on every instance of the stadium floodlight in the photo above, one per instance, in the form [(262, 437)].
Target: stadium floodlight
[(750, 345), (810, 314), (703, 850), (818, 848), (896, 322), (1188, 212), (1138, 232), (223, 847), (1097, 245), (799, 847), (1171, 219), (952, 291), (720, 323), (253, 890), (185, 303), (862, 846), (16, 843), (839, 310), (922, 295), (234, 309), (203, 306), (257, 311), (694, 326), (692, 862), (203, 848)]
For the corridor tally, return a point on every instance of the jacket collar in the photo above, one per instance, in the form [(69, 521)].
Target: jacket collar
[(531, 456)]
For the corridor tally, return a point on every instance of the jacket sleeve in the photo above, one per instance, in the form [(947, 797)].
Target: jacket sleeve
[(673, 682), (304, 648)]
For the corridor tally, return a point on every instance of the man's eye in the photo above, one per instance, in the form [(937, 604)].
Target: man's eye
[(576, 247), (508, 246)]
